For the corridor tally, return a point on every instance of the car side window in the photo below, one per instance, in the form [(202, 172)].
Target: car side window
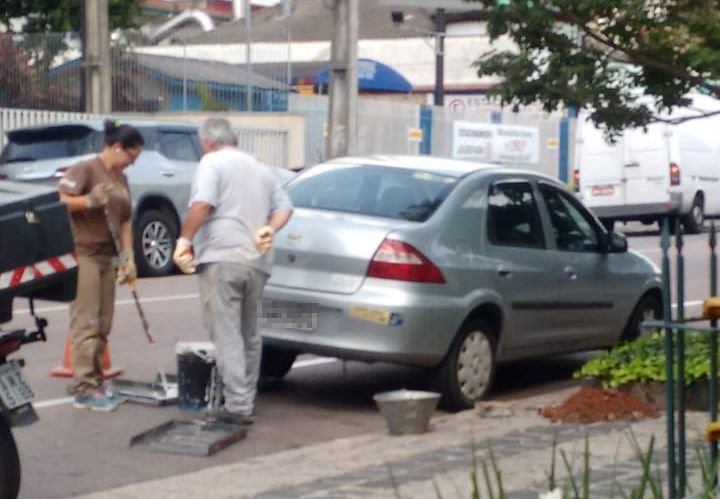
[(178, 146), (572, 226), (512, 216)]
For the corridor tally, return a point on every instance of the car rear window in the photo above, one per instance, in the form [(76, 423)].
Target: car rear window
[(50, 143), (387, 192)]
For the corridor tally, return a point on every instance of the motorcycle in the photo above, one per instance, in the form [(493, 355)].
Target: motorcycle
[(15, 402)]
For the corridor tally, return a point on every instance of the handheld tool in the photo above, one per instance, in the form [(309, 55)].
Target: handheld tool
[(135, 391)]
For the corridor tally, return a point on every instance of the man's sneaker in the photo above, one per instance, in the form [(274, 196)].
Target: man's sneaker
[(113, 395), (97, 401), (222, 415)]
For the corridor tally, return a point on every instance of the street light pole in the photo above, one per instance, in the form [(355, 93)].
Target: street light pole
[(439, 57)]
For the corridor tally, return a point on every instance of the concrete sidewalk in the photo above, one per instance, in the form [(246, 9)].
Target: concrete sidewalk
[(379, 465)]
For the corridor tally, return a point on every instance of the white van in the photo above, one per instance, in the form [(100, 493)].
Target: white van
[(665, 169)]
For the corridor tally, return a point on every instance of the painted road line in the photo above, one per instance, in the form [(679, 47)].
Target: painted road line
[(52, 402), (157, 299), (44, 404)]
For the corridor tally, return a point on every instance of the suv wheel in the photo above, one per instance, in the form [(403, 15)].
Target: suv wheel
[(467, 373), (155, 237)]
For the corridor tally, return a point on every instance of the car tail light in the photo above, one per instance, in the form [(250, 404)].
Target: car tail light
[(576, 180), (674, 174), (3, 176), (60, 172), (402, 262)]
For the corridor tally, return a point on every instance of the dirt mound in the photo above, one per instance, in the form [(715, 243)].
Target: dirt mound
[(590, 405)]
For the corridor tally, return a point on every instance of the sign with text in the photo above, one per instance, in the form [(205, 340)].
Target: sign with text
[(495, 143)]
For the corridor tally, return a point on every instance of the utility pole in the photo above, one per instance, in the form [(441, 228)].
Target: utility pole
[(248, 54), (97, 86), (342, 128), (439, 57)]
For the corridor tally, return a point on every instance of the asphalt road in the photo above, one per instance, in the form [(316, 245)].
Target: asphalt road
[(70, 452)]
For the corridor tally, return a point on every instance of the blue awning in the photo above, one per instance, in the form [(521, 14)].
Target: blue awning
[(373, 76)]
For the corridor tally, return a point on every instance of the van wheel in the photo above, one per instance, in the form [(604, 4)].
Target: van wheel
[(9, 463), (467, 373), (276, 362), (154, 241), (648, 308), (693, 221)]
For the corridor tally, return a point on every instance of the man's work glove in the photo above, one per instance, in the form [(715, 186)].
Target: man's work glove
[(184, 257), (264, 239), (98, 196), (126, 271)]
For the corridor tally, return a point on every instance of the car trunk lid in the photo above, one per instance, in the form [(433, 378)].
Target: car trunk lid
[(328, 251)]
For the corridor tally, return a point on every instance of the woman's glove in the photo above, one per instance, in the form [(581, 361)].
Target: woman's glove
[(98, 196), (126, 271)]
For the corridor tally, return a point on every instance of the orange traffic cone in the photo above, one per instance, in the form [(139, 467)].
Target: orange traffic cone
[(65, 371)]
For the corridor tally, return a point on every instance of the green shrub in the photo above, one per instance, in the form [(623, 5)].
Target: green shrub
[(643, 360)]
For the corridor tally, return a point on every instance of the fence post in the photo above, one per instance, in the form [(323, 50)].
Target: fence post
[(669, 357), (713, 347), (680, 264)]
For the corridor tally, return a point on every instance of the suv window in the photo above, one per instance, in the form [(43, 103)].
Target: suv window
[(372, 190), (178, 146), (572, 226), (51, 143), (512, 216)]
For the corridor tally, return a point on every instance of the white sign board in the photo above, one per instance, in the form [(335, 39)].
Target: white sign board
[(495, 143)]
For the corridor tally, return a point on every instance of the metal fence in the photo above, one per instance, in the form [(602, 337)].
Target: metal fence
[(46, 71)]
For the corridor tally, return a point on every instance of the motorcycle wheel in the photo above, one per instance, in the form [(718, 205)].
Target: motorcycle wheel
[(9, 463)]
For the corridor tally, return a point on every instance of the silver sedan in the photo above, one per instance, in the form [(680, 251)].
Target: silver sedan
[(446, 265)]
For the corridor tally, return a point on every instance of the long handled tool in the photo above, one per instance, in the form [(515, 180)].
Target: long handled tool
[(136, 391)]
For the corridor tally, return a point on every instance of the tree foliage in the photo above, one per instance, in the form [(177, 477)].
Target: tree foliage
[(628, 61), (47, 16)]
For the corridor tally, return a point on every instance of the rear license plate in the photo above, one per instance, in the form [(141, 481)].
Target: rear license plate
[(288, 315), (603, 190), (14, 390)]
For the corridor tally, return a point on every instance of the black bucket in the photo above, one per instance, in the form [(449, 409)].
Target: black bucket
[(194, 374)]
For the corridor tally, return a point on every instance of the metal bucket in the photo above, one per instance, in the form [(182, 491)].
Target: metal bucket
[(407, 411)]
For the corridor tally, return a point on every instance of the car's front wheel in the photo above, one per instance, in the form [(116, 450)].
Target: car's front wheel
[(155, 235), (467, 373)]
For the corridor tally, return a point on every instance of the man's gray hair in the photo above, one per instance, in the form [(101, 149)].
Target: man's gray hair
[(218, 131)]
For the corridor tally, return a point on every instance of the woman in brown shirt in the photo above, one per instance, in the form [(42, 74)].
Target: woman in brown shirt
[(95, 190)]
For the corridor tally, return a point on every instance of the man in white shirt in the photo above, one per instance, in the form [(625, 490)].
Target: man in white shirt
[(236, 206)]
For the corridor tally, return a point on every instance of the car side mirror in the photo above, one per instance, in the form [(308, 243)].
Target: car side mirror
[(616, 243)]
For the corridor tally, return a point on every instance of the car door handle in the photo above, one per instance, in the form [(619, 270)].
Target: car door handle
[(502, 272), (167, 173), (571, 273), (632, 164)]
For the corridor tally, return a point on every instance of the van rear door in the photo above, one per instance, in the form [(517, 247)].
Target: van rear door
[(600, 165), (646, 167)]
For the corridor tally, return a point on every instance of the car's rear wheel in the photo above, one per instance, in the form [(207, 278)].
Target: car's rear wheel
[(155, 235), (467, 373), (648, 308), (9, 463), (276, 362)]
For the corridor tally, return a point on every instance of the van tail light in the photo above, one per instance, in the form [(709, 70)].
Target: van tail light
[(576, 180), (402, 262), (674, 174), (60, 172)]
